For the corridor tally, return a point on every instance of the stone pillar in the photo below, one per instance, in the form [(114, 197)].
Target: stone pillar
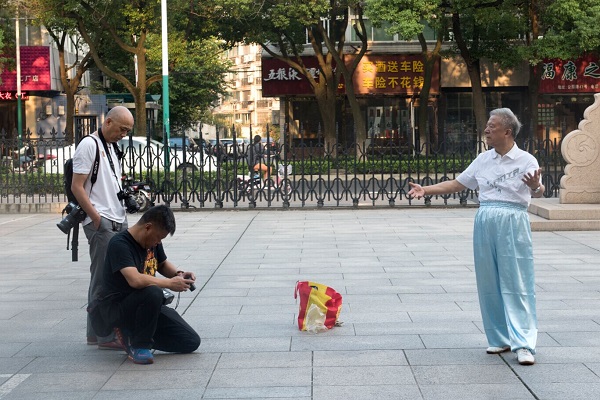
[(581, 149)]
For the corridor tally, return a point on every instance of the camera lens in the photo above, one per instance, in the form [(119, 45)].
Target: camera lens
[(66, 224)]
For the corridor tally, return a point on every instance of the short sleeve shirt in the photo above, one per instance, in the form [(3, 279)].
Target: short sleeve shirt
[(123, 251), (103, 194), (499, 177)]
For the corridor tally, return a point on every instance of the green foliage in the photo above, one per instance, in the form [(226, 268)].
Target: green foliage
[(195, 78), (405, 17)]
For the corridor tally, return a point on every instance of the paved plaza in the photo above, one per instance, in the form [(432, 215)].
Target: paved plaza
[(412, 327)]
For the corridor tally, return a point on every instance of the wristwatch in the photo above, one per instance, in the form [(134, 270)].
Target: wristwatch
[(537, 190)]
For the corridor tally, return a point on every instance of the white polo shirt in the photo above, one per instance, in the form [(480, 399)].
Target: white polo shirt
[(103, 194), (499, 177)]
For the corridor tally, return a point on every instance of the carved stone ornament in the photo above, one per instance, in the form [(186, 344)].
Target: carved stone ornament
[(581, 149)]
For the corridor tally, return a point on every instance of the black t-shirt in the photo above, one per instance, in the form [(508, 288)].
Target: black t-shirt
[(123, 251)]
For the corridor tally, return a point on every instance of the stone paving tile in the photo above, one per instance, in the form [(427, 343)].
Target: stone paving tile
[(78, 395), (104, 361), (42, 383), (220, 345), (260, 377), (391, 342), (145, 394), (359, 358), (149, 378), (471, 391), (446, 357), (271, 393), (464, 374), (363, 375), (416, 328), (381, 392), (562, 391)]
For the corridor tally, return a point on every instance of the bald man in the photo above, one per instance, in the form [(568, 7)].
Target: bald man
[(106, 215)]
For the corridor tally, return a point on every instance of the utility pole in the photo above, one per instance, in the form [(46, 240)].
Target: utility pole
[(18, 47), (165, 88)]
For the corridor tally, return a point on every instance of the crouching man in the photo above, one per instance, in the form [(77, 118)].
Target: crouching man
[(131, 299)]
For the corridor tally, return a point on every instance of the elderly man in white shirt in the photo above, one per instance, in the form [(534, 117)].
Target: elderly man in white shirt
[(507, 178)]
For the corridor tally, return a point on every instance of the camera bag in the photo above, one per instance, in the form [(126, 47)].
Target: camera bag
[(68, 174)]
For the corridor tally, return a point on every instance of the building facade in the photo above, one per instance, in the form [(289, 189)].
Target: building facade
[(245, 107), (390, 75)]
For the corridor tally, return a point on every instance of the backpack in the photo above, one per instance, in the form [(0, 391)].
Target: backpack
[(68, 175)]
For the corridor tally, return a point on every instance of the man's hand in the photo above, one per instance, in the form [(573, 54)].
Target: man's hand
[(532, 180), (416, 190), (180, 284)]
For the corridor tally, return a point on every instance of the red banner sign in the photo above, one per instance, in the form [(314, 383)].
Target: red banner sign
[(35, 70), (375, 74), (581, 75)]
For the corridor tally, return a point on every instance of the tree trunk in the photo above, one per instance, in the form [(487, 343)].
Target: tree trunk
[(474, 70), (429, 61), (535, 75)]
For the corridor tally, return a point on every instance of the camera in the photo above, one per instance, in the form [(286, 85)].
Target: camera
[(167, 297), (75, 215), (130, 203)]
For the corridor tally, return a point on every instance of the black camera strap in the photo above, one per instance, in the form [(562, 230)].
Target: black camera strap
[(118, 152)]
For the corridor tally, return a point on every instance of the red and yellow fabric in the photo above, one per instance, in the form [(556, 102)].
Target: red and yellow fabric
[(325, 298)]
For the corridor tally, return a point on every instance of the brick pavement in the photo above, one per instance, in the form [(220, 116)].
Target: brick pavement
[(412, 328)]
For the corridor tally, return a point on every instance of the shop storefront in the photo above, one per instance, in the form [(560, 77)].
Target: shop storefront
[(567, 88), (387, 88)]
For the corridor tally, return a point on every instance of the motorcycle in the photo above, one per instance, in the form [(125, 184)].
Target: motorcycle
[(141, 192)]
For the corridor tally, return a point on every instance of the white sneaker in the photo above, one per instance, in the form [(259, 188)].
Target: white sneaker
[(497, 350), (525, 357)]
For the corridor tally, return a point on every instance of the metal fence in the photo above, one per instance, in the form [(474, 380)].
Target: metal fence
[(311, 174)]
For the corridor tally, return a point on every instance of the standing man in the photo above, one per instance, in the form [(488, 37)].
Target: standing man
[(100, 200), (132, 298), (507, 178)]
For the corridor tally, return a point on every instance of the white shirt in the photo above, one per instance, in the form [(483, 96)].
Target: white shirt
[(103, 194), (499, 177)]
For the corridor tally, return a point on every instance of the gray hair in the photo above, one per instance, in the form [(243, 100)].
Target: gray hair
[(509, 120)]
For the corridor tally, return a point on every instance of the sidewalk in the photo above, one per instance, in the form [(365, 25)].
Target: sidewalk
[(412, 324)]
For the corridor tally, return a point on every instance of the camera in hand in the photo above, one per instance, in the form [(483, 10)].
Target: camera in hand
[(129, 201), (75, 215), (192, 287)]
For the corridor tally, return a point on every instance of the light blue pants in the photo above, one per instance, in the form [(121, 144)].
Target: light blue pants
[(503, 255)]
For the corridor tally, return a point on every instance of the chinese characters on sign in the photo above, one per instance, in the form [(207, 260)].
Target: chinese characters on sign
[(571, 76), (10, 96), (375, 74), (401, 74)]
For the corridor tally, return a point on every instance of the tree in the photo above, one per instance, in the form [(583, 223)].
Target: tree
[(282, 28), (7, 13), (555, 29), (134, 31), (407, 18), (196, 76), (63, 32)]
